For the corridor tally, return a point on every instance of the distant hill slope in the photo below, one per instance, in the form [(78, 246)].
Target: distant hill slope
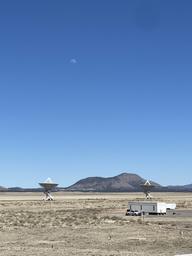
[(2, 189), (123, 182), (184, 188), (19, 189)]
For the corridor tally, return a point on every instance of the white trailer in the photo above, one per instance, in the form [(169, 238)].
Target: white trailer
[(171, 206), (149, 207)]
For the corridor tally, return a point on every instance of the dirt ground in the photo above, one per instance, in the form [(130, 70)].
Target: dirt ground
[(91, 224)]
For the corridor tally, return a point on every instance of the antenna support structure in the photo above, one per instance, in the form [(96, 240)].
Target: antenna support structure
[(147, 186), (48, 185)]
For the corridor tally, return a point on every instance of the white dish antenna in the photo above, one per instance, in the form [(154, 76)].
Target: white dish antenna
[(48, 186), (147, 186)]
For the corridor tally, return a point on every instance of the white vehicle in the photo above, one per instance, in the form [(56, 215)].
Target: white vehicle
[(148, 207), (133, 213)]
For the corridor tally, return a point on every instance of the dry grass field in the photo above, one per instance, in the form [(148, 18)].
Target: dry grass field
[(91, 224)]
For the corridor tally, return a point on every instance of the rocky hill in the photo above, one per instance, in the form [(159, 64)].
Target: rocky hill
[(123, 182)]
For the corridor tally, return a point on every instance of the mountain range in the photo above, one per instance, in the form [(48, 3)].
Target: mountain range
[(125, 182)]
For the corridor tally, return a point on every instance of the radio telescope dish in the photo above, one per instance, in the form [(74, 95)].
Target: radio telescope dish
[(147, 186), (48, 186)]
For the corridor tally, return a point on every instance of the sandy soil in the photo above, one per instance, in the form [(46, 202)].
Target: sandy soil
[(91, 224)]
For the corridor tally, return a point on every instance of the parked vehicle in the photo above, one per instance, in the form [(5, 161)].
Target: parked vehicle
[(133, 213)]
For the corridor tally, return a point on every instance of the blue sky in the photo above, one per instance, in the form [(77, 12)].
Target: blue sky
[(95, 88)]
